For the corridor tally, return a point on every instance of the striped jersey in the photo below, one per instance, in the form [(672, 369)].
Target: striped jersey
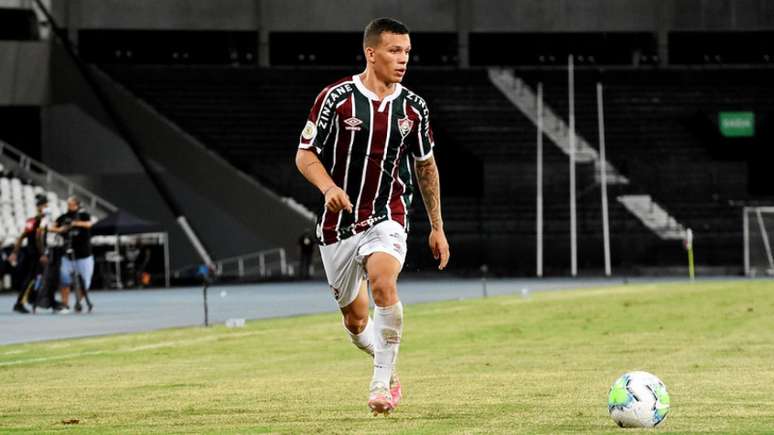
[(367, 144)]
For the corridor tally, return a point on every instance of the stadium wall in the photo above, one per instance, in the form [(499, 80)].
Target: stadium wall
[(460, 17), (229, 210), (111, 170), (24, 73), (421, 15)]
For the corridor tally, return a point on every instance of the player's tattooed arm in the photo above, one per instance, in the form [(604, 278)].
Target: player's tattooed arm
[(430, 186)]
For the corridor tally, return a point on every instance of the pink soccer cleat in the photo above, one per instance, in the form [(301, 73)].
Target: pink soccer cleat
[(395, 390), (380, 400)]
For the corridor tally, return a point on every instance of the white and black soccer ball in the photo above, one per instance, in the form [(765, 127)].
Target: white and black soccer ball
[(638, 399)]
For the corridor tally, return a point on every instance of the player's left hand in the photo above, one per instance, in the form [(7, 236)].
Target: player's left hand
[(439, 247)]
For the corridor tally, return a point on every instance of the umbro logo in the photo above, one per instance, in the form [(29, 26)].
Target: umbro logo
[(353, 124)]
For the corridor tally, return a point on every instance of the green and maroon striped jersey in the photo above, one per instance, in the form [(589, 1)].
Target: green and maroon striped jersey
[(367, 145)]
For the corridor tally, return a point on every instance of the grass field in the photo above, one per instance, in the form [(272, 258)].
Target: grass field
[(497, 365)]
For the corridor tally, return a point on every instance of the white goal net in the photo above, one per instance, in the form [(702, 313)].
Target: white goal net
[(758, 234)]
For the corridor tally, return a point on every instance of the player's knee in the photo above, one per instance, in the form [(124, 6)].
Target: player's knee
[(383, 284), (355, 324), (384, 289)]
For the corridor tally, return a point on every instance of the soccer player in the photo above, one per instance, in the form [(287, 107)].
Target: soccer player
[(357, 147)]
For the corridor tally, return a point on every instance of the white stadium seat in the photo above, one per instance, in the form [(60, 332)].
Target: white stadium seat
[(17, 204)]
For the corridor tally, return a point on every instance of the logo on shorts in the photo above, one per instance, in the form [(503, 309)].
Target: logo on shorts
[(398, 247), (405, 125), (336, 292), (353, 124)]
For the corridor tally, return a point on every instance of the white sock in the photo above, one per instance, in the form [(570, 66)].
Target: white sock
[(365, 339), (388, 325)]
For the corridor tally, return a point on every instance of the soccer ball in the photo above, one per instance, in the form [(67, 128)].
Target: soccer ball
[(638, 399)]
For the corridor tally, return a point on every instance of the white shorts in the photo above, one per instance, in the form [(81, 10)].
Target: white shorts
[(343, 261)]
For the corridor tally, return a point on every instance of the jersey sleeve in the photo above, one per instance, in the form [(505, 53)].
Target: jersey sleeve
[(422, 142), (316, 130)]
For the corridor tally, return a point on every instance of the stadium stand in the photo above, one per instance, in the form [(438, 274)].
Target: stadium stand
[(22, 177), (251, 117), (662, 133), (17, 203)]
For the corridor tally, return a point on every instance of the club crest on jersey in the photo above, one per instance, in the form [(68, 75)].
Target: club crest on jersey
[(405, 125), (353, 124)]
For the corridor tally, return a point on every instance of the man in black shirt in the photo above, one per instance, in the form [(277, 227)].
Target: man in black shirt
[(36, 255), (75, 228)]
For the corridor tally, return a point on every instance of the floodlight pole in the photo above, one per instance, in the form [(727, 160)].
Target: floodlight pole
[(571, 138), (603, 178), (539, 220)]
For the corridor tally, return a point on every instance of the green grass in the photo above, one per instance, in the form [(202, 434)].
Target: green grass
[(499, 365)]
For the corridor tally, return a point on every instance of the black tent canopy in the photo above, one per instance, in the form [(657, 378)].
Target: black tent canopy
[(121, 222)]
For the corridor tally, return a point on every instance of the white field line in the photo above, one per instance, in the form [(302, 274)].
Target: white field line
[(159, 345)]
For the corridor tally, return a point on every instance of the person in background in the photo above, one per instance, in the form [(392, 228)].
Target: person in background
[(35, 254), (75, 229)]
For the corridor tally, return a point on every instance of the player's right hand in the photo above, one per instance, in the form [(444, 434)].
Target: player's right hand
[(337, 199), (439, 247)]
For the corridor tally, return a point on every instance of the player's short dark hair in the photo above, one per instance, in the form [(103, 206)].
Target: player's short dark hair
[(375, 28)]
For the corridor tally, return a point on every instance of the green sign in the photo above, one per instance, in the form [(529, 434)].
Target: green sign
[(737, 124)]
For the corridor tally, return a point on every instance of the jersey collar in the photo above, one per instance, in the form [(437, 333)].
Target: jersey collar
[(365, 91)]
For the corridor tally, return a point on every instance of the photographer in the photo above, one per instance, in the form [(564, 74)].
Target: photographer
[(75, 229)]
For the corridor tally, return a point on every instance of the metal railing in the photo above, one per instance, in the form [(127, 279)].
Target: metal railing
[(262, 263), (51, 180), (269, 263)]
